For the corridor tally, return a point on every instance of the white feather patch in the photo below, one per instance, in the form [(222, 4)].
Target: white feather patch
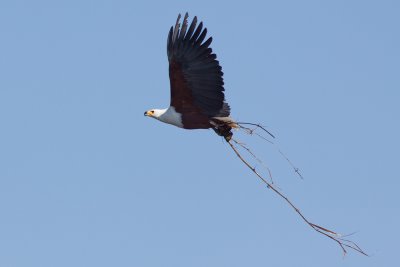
[(171, 116)]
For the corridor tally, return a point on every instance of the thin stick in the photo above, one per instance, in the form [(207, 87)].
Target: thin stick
[(256, 158), (257, 125), (296, 170), (343, 243), (253, 131)]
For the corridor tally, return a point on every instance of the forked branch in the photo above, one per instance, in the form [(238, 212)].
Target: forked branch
[(253, 131), (256, 125), (343, 243), (255, 157)]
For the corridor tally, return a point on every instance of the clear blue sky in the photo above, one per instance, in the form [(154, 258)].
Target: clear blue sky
[(87, 180)]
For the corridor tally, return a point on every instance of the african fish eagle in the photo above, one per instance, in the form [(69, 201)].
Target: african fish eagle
[(197, 86), (198, 102)]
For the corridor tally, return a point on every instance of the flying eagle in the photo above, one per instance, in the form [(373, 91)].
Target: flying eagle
[(197, 85), (198, 101)]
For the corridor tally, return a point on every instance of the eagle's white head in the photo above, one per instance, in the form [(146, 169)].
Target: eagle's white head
[(168, 115), (154, 113)]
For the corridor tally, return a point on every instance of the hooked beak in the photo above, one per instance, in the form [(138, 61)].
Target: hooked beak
[(146, 113)]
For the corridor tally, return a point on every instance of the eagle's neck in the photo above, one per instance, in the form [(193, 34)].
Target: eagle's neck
[(169, 115)]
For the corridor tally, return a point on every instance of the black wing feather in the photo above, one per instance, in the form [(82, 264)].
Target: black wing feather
[(195, 74)]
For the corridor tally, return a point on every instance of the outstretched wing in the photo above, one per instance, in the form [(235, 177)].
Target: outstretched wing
[(195, 74)]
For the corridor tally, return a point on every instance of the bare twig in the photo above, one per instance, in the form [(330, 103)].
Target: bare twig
[(253, 131), (257, 126), (296, 170), (255, 157), (343, 243)]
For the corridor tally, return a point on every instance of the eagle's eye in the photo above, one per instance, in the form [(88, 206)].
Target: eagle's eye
[(152, 112)]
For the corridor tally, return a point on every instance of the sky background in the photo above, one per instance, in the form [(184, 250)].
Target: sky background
[(87, 180)]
